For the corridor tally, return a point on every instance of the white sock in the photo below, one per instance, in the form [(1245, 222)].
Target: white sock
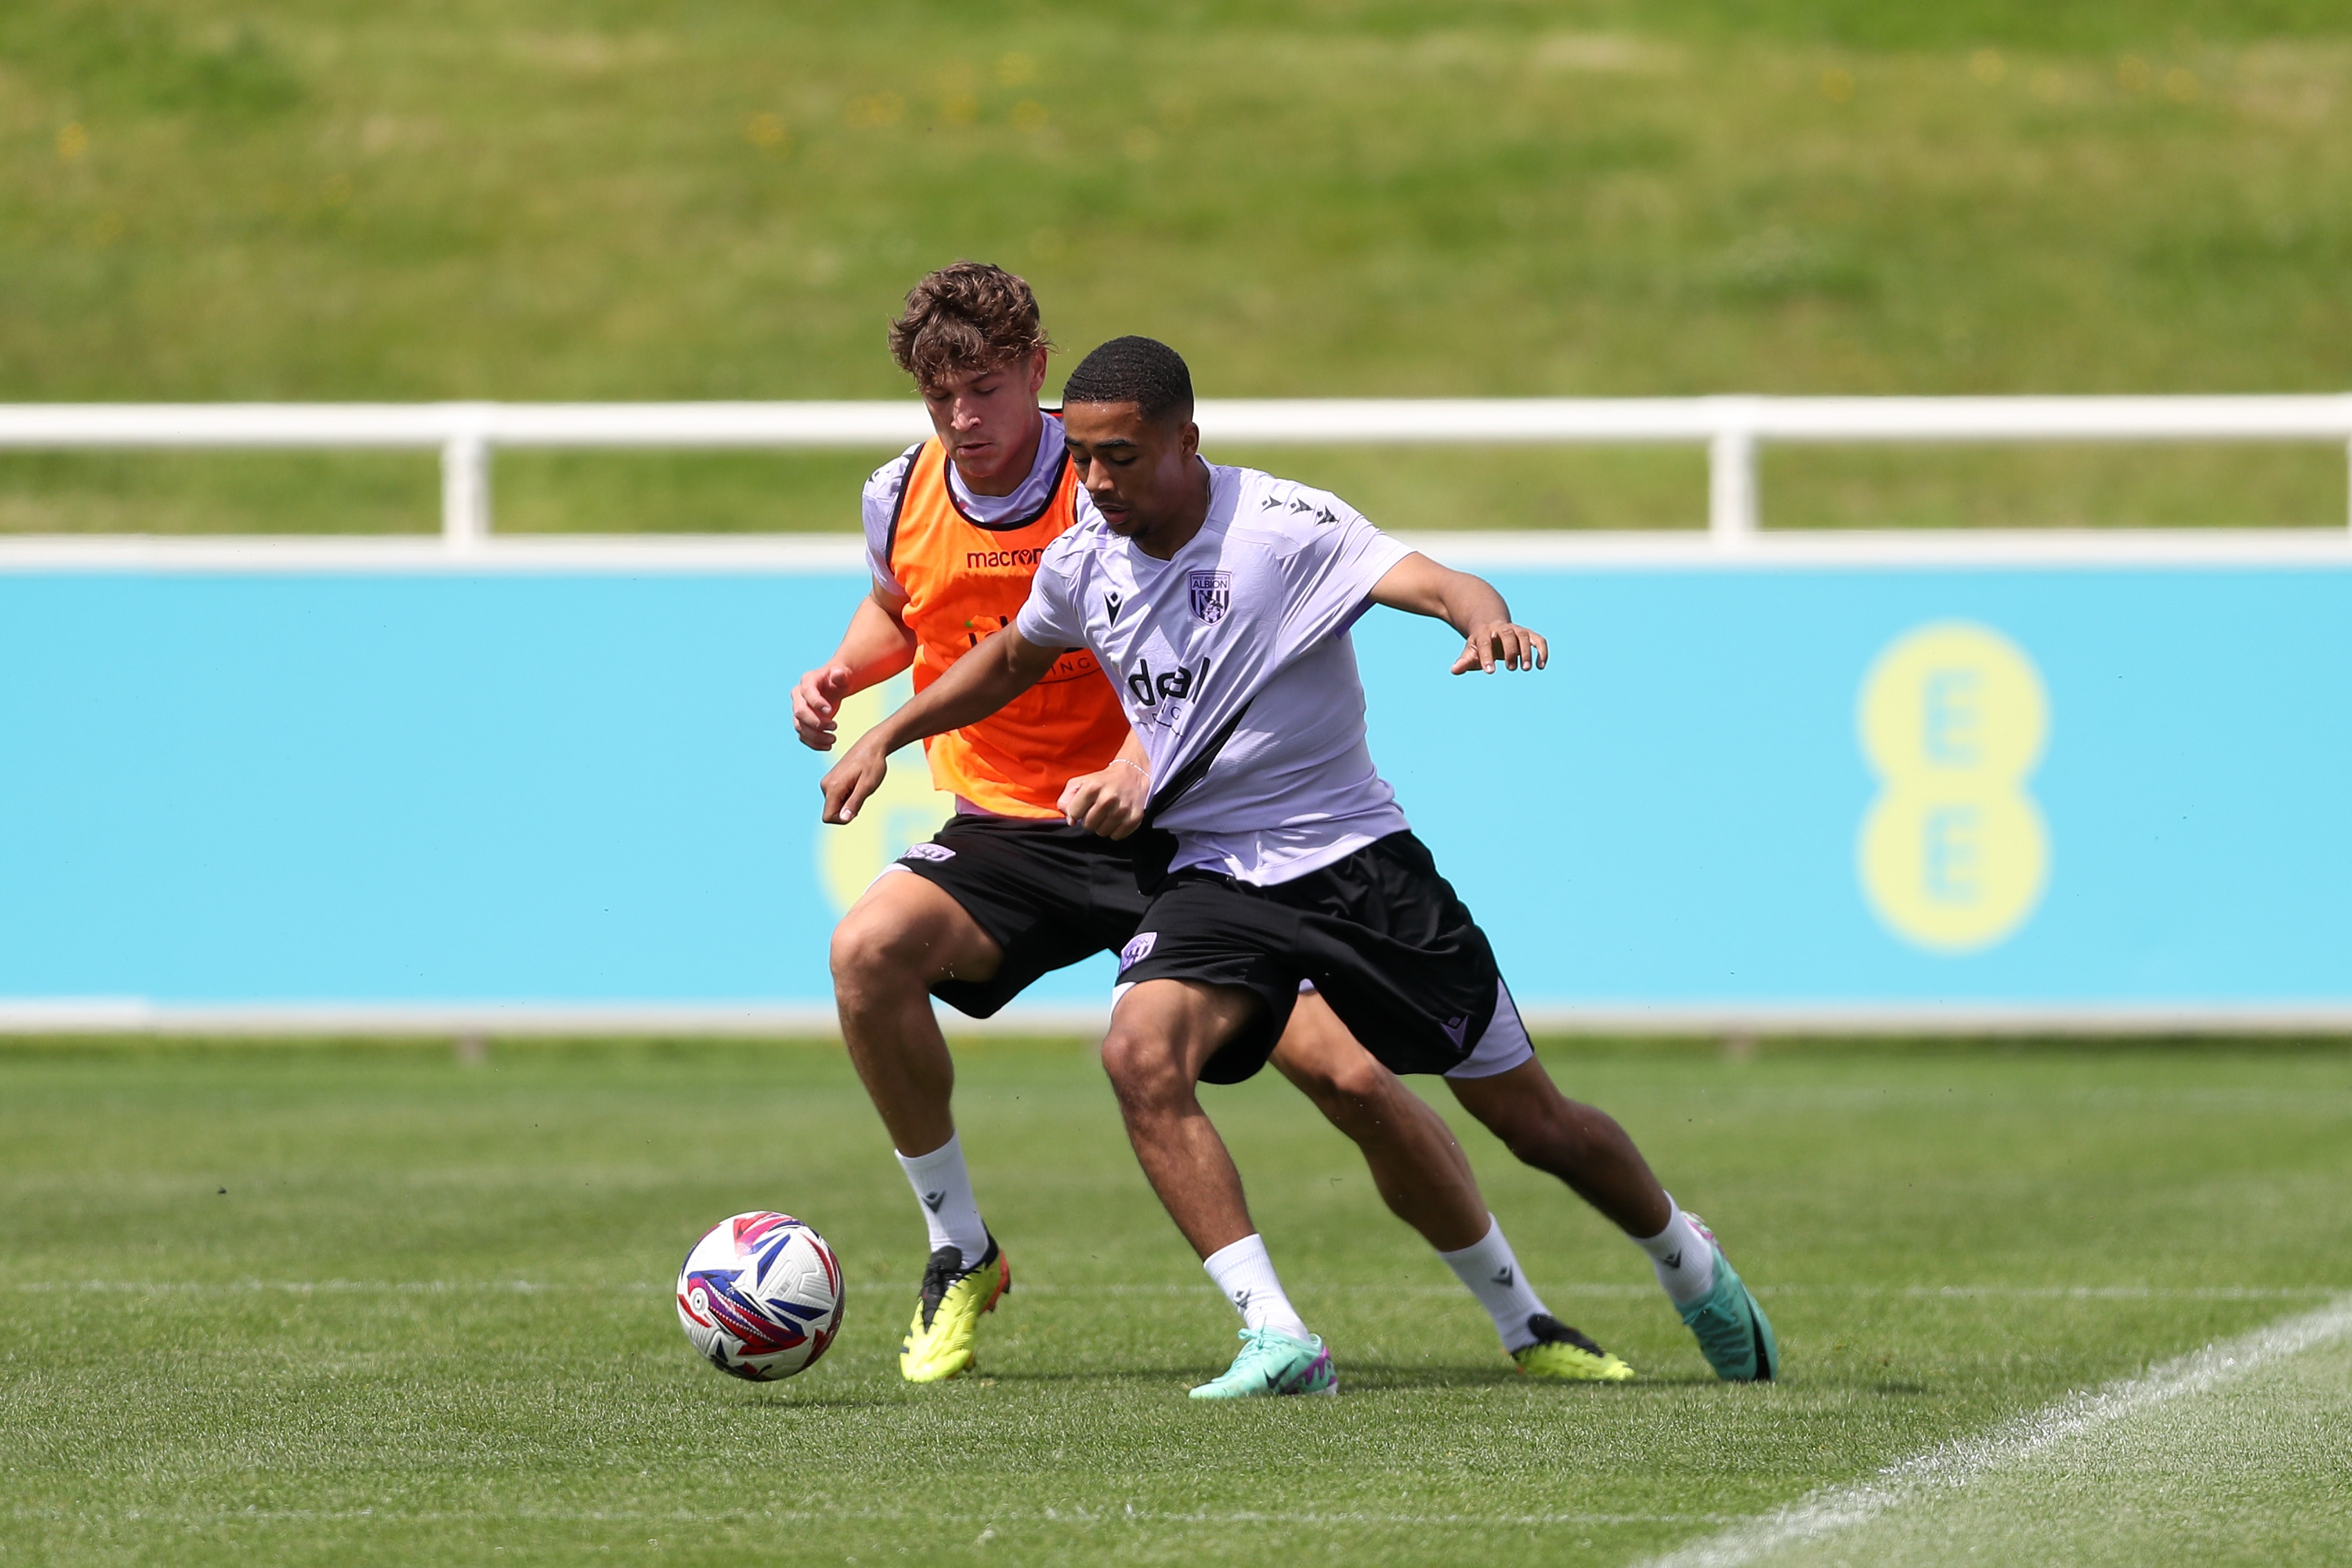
[(1246, 1274), (1492, 1275), (944, 1189), (1682, 1255)]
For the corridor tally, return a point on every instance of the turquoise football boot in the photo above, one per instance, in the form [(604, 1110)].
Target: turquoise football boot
[(1272, 1361), (1733, 1332)]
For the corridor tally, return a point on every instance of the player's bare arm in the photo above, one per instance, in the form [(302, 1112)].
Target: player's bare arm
[(876, 647), (1472, 606), (976, 685), (1111, 802)]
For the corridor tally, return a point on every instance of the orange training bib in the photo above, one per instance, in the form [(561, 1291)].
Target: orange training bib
[(966, 580)]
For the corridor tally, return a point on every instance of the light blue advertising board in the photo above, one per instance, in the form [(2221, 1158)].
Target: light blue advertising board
[(1847, 787)]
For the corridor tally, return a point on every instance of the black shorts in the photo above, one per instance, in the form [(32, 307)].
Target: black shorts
[(1048, 893), (1380, 934)]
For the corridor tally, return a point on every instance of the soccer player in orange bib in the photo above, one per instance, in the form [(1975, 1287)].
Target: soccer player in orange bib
[(1035, 871)]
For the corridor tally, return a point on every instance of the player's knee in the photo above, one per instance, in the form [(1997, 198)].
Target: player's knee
[(1143, 1069), (1337, 1075), (871, 953), (1358, 1079), (1352, 1098)]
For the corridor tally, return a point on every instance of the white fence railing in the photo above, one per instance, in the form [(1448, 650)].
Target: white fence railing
[(1731, 428)]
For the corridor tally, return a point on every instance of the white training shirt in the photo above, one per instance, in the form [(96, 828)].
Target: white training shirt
[(1237, 649), (880, 500)]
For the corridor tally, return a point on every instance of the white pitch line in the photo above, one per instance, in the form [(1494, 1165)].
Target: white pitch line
[(1950, 1467)]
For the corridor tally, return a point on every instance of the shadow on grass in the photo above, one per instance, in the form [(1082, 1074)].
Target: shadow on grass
[(1363, 1379), (1353, 1379), (1170, 1383), (1186, 1376), (1375, 1379)]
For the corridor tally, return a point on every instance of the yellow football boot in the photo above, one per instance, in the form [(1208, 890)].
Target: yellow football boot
[(1562, 1355), (939, 1343)]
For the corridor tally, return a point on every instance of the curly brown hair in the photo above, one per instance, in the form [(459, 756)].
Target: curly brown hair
[(966, 317)]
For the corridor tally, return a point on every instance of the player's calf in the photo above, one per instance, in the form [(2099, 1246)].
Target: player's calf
[(1160, 1033), (1586, 1148), (1581, 1145), (1416, 1165), (898, 938)]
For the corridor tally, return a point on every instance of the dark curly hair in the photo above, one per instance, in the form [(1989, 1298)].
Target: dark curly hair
[(1141, 371), (963, 318)]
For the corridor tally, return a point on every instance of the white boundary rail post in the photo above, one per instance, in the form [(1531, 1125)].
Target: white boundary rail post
[(466, 483), (1732, 512)]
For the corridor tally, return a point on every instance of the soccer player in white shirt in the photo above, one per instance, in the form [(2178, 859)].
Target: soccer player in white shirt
[(1009, 888), (1220, 599)]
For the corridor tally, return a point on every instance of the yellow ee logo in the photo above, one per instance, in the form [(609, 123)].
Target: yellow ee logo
[(904, 811), (1954, 854)]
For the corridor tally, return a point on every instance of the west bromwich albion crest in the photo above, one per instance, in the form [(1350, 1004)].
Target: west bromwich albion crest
[(1212, 594)]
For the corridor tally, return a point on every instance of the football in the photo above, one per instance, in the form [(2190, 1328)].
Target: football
[(761, 1296)]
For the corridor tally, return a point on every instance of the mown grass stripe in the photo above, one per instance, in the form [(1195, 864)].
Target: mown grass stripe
[(1950, 1467), (1107, 1514), (655, 1287)]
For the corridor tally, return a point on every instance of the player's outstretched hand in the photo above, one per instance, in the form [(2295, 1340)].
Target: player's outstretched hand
[(1111, 802), (1503, 642), (816, 705), (856, 776)]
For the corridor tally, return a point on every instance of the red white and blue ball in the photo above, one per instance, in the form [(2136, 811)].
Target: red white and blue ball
[(761, 1296)]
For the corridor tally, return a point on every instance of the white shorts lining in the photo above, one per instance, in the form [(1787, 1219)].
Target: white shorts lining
[(1504, 1044)]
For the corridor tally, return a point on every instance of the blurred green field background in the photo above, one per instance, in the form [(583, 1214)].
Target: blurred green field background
[(243, 199)]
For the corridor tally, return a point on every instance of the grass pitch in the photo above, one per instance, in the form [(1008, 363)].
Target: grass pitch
[(374, 1304)]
